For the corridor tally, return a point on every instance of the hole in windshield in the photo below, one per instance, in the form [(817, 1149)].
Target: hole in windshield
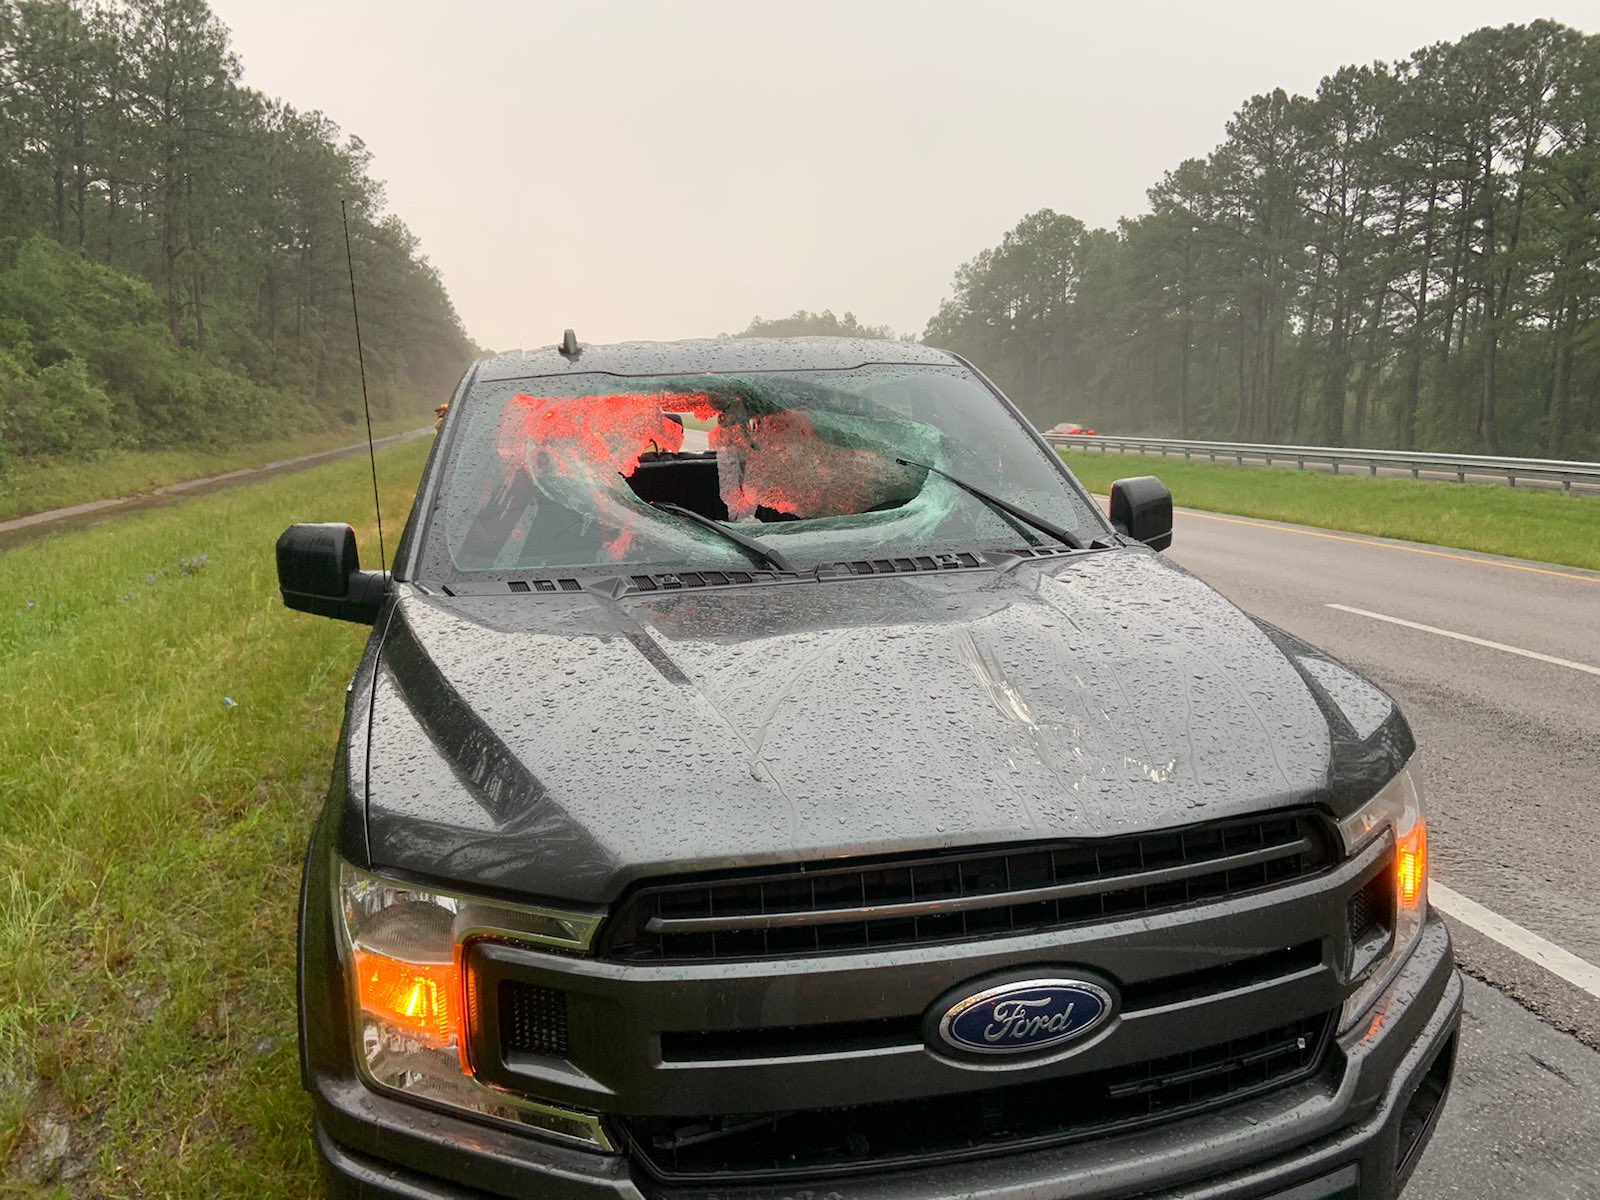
[(773, 467), (592, 470)]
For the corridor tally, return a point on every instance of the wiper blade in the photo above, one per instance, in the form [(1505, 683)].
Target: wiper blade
[(743, 540), (1042, 524)]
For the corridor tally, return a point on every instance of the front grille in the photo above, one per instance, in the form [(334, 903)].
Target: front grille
[(1369, 908), (533, 1020), (850, 1037), (996, 1120), (969, 894), (1370, 915)]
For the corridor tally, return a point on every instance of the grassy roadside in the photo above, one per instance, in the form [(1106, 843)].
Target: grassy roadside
[(167, 740), (1520, 523), (35, 487)]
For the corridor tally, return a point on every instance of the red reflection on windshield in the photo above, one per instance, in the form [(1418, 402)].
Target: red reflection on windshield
[(779, 461), (588, 435)]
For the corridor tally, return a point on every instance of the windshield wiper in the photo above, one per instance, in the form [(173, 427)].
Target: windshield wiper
[(1042, 524), (742, 540)]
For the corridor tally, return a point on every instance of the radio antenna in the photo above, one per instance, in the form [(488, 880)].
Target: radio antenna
[(361, 363)]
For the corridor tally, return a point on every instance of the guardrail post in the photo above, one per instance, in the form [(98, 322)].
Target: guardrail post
[(1335, 463), (1511, 480), (1372, 467), (1461, 475)]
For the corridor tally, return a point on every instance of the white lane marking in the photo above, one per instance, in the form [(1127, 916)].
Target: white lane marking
[(1562, 963), (1465, 637)]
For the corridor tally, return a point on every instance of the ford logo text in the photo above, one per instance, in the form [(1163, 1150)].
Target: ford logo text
[(1029, 1015)]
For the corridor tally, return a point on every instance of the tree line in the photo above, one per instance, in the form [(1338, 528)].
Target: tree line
[(1409, 258), (172, 262), (802, 323)]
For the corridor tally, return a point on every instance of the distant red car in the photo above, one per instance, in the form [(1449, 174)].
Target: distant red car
[(1069, 429)]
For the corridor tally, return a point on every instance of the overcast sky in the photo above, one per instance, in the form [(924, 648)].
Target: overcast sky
[(658, 170)]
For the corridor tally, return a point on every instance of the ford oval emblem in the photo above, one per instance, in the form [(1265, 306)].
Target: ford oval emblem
[(1023, 1016)]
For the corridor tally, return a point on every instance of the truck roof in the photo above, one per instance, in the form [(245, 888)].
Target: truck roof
[(709, 356)]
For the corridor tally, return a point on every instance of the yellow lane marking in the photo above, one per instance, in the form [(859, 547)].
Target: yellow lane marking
[(1361, 541)]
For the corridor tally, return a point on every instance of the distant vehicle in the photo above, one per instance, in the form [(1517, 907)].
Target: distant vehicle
[(848, 807), (1069, 429)]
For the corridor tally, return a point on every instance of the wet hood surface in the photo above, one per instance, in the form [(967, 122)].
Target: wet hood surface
[(565, 746)]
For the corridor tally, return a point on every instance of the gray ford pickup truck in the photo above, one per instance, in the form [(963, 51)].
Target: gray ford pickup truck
[(771, 776)]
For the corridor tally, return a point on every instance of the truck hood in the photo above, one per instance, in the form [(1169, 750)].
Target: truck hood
[(564, 746)]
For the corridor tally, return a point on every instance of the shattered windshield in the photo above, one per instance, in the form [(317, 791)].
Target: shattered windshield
[(595, 470)]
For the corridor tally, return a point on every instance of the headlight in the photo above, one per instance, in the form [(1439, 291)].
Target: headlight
[(403, 949), (1396, 811)]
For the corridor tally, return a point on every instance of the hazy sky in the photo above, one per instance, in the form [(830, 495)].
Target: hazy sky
[(659, 170)]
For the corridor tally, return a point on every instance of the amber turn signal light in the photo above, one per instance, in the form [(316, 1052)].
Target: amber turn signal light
[(1411, 866), (421, 998)]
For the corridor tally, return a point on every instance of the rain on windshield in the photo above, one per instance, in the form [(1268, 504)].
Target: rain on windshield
[(585, 470)]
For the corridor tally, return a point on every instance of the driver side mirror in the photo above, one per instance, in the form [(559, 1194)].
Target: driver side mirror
[(319, 571), (1141, 508)]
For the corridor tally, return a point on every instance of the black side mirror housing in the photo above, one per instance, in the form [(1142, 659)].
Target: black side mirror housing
[(319, 571), (1141, 508)]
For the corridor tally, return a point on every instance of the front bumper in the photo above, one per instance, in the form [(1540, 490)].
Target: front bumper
[(1350, 1135)]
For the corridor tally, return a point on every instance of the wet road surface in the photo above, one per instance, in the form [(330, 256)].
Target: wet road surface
[(1522, 1122), (1496, 663)]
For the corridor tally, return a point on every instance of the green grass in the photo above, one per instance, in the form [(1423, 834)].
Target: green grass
[(1518, 522), (167, 740), (31, 487)]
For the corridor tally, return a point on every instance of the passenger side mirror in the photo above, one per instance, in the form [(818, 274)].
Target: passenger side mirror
[(1141, 508), (319, 571)]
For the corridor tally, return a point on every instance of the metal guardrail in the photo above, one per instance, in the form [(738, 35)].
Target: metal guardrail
[(1460, 466)]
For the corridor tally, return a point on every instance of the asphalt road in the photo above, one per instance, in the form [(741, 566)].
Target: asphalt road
[(1510, 758), (1522, 1122)]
